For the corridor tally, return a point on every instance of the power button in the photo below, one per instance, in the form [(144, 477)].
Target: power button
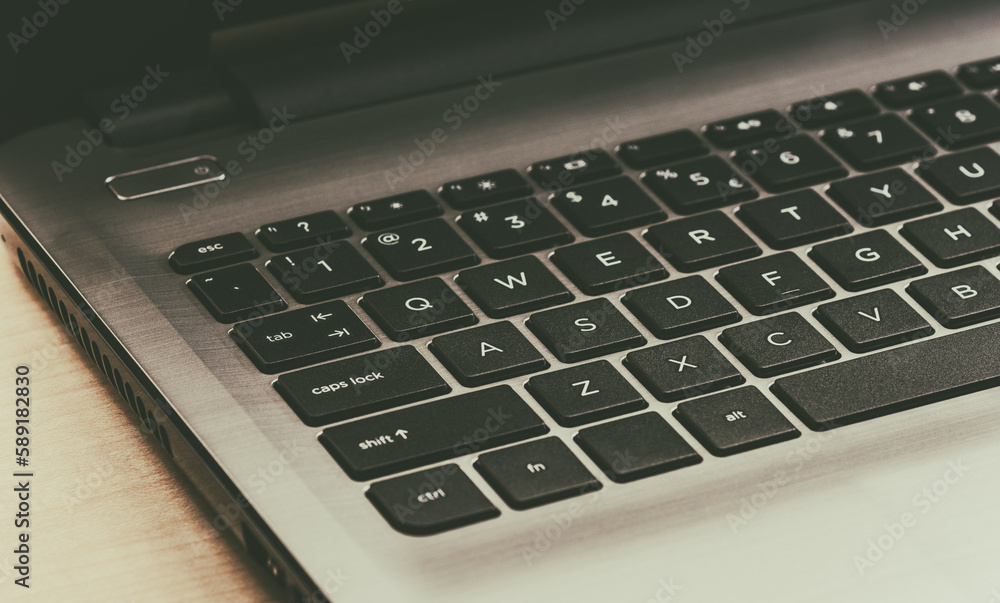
[(167, 177)]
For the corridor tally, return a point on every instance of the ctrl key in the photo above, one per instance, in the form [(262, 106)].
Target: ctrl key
[(431, 501)]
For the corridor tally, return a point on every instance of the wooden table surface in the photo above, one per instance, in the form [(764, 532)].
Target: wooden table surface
[(111, 518)]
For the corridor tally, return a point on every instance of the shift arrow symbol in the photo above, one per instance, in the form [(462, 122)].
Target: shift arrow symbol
[(401, 433)]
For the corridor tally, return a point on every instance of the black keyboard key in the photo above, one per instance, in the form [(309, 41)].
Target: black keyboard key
[(794, 219), (430, 432), (536, 473), (883, 198), (924, 372), (872, 321), (512, 287), (662, 148), (430, 501), (236, 293), (485, 189), (700, 242), (778, 344), (514, 228), (305, 336), (981, 75), (318, 228), (960, 123), (867, 260), (914, 90), (608, 264), (833, 109), (418, 250), (781, 166), (878, 142), (682, 369), (680, 307), (361, 385), (636, 447), (606, 207), (487, 354), (585, 330), (735, 421), (964, 178), (695, 186), (395, 210), (575, 169), (747, 129), (415, 310), (330, 270), (585, 393), (954, 238), (774, 283), (211, 253), (960, 298)]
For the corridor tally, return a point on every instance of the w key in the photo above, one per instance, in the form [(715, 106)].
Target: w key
[(514, 286)]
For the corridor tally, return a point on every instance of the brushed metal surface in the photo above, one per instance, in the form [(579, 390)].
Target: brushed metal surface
[(795, 541)]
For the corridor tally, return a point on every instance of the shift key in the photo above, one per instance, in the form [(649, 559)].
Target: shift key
[(427, 433)]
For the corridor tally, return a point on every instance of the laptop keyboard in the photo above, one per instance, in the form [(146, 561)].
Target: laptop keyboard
[(332, 376)]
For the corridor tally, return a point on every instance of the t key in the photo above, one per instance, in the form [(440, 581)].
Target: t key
[(794, 219)]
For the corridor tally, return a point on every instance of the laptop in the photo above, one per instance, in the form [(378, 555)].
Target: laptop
[(547, 301)]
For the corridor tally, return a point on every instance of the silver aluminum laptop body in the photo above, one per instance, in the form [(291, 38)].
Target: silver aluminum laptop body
[(817, 518)]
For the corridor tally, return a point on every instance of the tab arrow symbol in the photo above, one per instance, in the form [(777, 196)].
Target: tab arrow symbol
[(319, 317), (401, 433), (339, 333)]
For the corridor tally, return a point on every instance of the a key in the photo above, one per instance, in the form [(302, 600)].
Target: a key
[(419, 309), (320, 273), (487, 354), (833, 109), (418, 250), (585, 393), (700, 242), (636, 447), (236, 293), (695, 186), (867, 260), (878, 142), (514, 228), (680, 307), (735, 421), (924, 372), (960, 298), (750, 128), (981, 75), (359, 386), (606, 207), (793, 220), (612, 263), (512, 287), (883, 198), (434, 431), (916, 89), (954, 238), (305, 336), (211, 253), (485, 189), (431, 501), (872, 321), (575, 169), (682, 369), (774, 283), (585, 330), (662, 148), (314, 229), (966, 177), (536, 473), (781, 166), (960, 123), (395, 210), (779, 344)]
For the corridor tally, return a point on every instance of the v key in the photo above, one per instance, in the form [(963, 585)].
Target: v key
[(854, 323)]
